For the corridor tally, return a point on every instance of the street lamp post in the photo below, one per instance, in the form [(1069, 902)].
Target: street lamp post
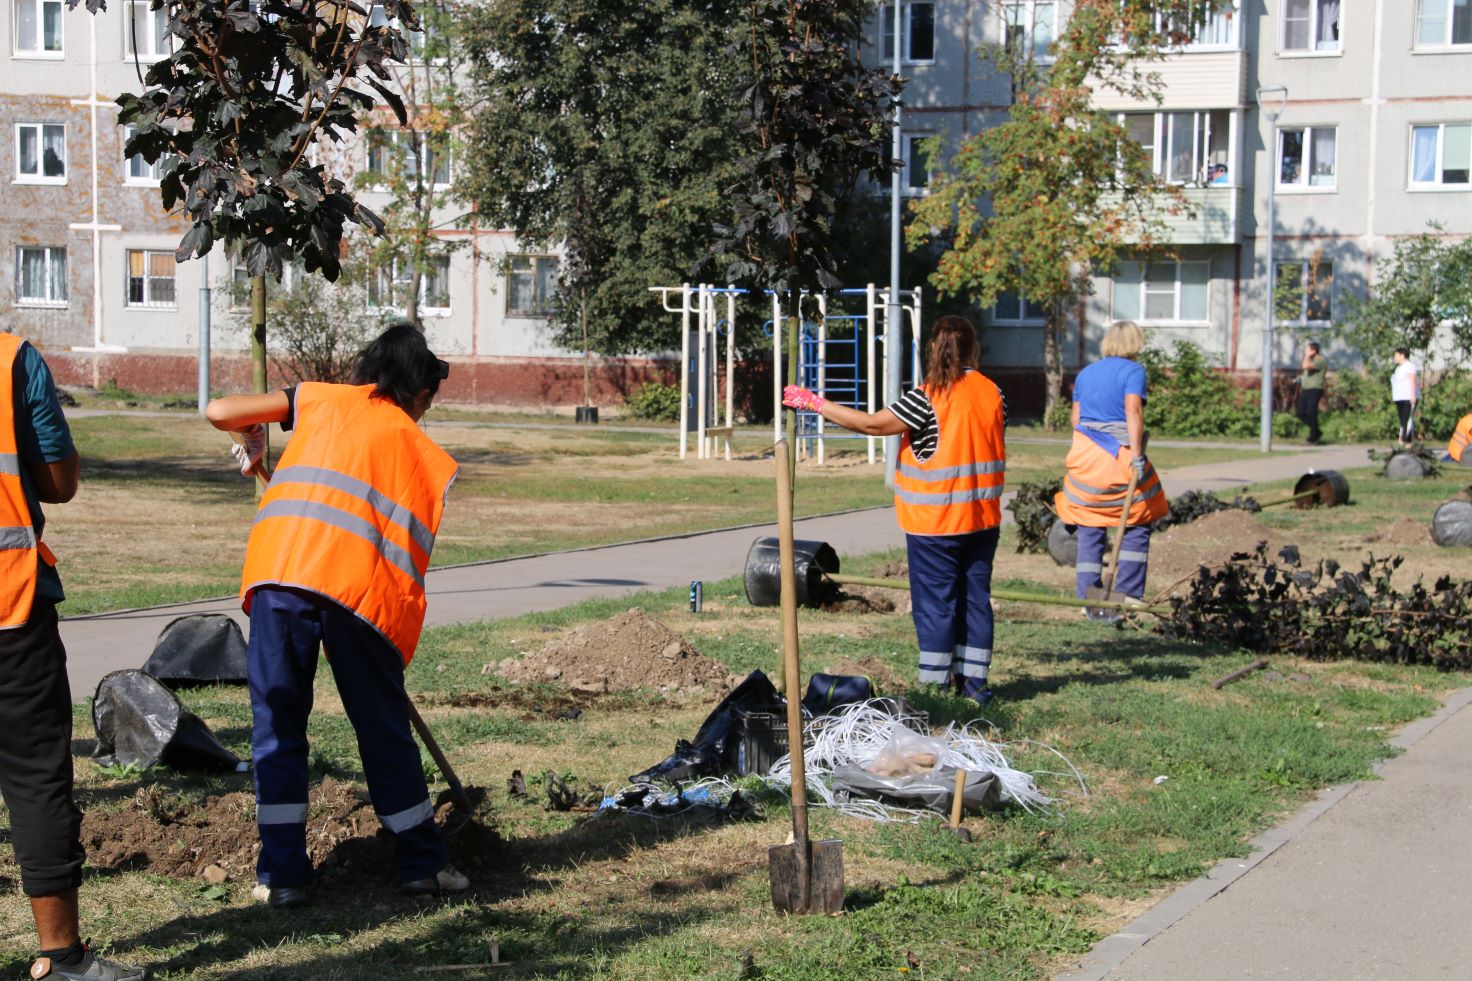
[(893, 331), (1270, 102)]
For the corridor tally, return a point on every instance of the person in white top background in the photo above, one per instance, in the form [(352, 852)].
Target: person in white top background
[(1405, 389)]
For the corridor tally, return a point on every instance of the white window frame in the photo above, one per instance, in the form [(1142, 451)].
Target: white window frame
[(146, 55), (1022, 320), (400, 274), (1446, 43), (52, 253), (1438, 184), (536, 260), (237, 287), (1313, 50), (1305, 185), (40, 177), (1232, 14), (886, 32), (155, 169), (1307, 265), (396, 145), (41, 51), (1202, 132), (1177, 292), (907, 155), (148, 302), (1030, 24)]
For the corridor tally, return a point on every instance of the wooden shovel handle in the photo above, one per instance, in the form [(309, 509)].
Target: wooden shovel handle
[(1124, 523), (792, 680), (958, 798)]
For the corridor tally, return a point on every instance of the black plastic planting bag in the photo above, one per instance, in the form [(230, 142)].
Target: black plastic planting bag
[(1063, 543), (713, 750), (1451, 525), (764, 571), (1405, 466), (932, 790), (140, 722), (204, 649)]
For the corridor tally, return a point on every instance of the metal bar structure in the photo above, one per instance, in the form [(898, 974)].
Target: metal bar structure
[(869, 382), (730, 366), (776, 367), (702, 353)]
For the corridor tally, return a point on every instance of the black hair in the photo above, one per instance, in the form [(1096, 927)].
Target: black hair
[(400, 365), (1314, 345), (1402, 352)]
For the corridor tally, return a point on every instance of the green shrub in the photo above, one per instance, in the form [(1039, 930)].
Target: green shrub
[(1443, 403), (1188, 397), (1357, 408), (655, 401), (1286, 425), (1060, 417)]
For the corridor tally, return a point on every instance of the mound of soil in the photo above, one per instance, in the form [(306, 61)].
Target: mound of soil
[(167, 835), (1209, 541), (865, 599), (630, 650), (1402, 532)]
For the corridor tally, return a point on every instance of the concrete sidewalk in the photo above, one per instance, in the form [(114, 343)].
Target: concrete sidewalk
[(106, 642), (1367, 883)]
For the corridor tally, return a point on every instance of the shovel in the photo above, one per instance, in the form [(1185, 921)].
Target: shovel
[(806, 876), (1104, 615)]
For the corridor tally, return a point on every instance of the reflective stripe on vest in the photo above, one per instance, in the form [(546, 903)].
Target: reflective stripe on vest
[(352, 510), (19, 549), (957, 490), (1094, 488)]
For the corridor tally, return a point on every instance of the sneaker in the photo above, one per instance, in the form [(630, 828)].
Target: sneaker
[(91, 968), (447, 879), (977, 690), (279, 897)]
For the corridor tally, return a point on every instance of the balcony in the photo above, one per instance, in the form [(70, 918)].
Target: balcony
[(1190, 79), (1212, 221)]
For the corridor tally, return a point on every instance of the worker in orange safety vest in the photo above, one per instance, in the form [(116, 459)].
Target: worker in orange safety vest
[(948, 489), (337, 558), (1456, 449), (1108, 445)]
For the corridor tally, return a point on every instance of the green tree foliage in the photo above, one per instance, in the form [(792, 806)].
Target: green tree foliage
[(605, 127), (1422, 301), (246, 91), (1189, 397), (1039, 204)]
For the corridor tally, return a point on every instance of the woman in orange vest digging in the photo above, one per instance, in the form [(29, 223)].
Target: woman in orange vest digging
[(948, 485), (1109, 443), (337, 557)]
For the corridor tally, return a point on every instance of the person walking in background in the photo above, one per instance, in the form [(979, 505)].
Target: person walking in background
[(1108, 445), (1311, 390), (39, 464), (337, 559), (948, 488), (1405, 390)]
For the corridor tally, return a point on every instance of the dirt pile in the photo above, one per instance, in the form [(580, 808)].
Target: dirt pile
[(866, 599), (1209, 541), (217, 839), (630, 650), (1401, 533)]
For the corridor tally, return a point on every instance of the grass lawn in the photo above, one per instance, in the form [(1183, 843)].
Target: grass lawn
[(161, 516), (614, 897)]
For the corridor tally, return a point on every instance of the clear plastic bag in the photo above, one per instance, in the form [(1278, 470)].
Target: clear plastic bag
[(907, 753)]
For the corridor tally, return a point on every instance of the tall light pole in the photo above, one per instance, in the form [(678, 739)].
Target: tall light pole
[(894, 360), (1270, 102), (204, 331)]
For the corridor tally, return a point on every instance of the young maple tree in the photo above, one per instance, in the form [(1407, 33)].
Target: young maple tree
[(1039, 204)]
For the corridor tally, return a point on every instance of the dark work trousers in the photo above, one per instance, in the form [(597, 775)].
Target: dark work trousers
[(36, 754), (1405, 409), (951, 594), (1134, 560), (1308, 411), (287, 628)]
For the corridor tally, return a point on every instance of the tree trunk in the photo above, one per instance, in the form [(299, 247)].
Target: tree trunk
[(411, 302), (258, 353), (1052, 361), (587, 352)]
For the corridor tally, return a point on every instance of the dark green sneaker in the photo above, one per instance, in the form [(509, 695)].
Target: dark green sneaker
[(91, 968)]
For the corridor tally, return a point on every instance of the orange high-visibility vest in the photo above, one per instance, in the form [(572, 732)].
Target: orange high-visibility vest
[(957, 491), (1460, 439), (1094, 487), (20, 548), (352, 510)]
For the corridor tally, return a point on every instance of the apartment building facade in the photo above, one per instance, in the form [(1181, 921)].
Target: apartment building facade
[(1373, 142)]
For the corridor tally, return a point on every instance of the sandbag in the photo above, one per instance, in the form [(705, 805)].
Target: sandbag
[(1451, 525), (140, 722), (1405, 466), (1063, 543), (203, 649)]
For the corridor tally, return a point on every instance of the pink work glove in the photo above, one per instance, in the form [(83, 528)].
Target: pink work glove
[(249, 454), (796, 397)]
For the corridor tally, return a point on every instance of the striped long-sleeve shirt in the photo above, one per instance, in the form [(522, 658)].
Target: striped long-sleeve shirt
[(915, 411)]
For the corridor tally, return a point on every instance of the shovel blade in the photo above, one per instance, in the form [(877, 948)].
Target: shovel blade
[(823, 890), (1104, 615)]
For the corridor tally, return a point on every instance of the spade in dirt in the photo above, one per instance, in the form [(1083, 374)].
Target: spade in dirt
[(806, 876)]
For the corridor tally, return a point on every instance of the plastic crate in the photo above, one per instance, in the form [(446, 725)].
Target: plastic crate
[(761, 737)]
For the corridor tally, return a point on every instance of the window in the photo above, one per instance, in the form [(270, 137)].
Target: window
[(917, 166), (388, 285), (138, 170), (1302, 292), (531, 285), (398, 150), (919, 31), (1311, 25), (1029, 28), (1306, 158), (1441, 155), (1185, 147), (1204, 26), (150, 279), (146, 34), (1013, 309), (1162, 292), (38, 27), (1443, 22), (40, 276), (40, 153)]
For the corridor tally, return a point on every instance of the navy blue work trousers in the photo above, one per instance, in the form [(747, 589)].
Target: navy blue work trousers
[(1134, 560), (951, 596), (287, 629)]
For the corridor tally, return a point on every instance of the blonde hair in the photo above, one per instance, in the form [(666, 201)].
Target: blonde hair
[(1123, 339)]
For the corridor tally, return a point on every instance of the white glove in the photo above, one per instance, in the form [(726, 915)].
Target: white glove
[(250, 453)]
